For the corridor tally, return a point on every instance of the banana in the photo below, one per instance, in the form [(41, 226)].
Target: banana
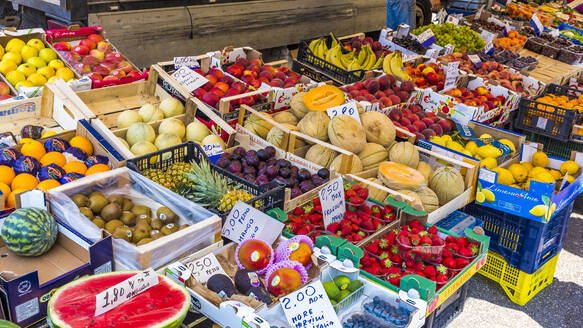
[(334, 42), (362, 55), (334, 52), (313, 45), (346, 58), (372, 59), (322, 49), (397, 67), (329, 55), (379, 62), (387, 63), (353, 65)]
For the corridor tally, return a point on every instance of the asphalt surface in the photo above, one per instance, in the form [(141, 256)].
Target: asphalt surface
[(559, 305)]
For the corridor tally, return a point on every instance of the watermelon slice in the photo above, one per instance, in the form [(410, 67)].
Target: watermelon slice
[(163, 305)]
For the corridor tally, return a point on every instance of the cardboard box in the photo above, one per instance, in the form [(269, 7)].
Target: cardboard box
[(24, 298), (541, 195)]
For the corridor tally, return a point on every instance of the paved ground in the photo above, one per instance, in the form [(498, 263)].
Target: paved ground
[(559, 305)]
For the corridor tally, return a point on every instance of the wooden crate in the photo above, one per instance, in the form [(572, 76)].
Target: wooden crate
[(550, 70), (107, 103)]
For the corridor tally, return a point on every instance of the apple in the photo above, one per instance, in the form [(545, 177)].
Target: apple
[(95, 76), (4, 89), (100, 70), (108, 65), (104, 46), (95, 37), (82, 68), (118, 73), (80, 50), (114, 57), (88, 43), (71, 57), (110, 78), (125, 66), (62, 46), (90, 60), (97, 54), (134, 74)]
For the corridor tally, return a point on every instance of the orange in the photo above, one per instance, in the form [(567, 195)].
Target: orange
[(10, 201), (97, 168), (83, 143), (6, 174), (24, 181), (53, 157), (48, 184), (75, 166), (5, 189), (34, 149)]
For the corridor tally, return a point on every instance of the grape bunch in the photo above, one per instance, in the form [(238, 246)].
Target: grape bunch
[(458, 36)]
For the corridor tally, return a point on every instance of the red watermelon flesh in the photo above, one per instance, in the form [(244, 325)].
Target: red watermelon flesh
[(163, 305)]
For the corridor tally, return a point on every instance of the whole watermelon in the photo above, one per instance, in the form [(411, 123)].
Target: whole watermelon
[(29, 231)]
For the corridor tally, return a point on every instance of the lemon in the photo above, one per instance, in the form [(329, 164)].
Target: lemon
[(489, 163), (25, 141), (47, 54), (446, 138), (540, 159), (489, 151), (489, 195), (570, 179), (36, 43), (15, 76), (49, 133), (480, 198), (13, 56), (544, 177), (46, 71), (23, 84), (52, 79), (26, 69), (437, 140), (1, 51), (65, 73), (36, 62), (485, 136), (518, 172), (472, 147), (556, 174), (504, 176), (569, 167), (515, 186), (7, 66), (28, 52), (56, 64), (467, 152), (508, 143), (478, 157), (15, 45), (37, 79), (456, 147), (527, 166)]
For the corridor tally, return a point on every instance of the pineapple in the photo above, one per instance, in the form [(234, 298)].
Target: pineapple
[(176, 172), (209, 189), (160, 177)]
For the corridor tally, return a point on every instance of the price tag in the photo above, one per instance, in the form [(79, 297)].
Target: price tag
[(310, 307), (441, 14), (475, 59), (348, 108), (188, 61), (451, 73), (213, 149), (190, 79), (449, 49), (205, 267), (124, 291), (487, 36), (283, 97), (453, 20), (555, 33), (432, 53), (215, 62), (403, 31), (245, 222), (537, 24), (332, 199), (541, 123), (489, 48), (236, 54), (427, 38)]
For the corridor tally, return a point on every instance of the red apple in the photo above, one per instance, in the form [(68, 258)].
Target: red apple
[(95, 76), (88, 43), (114, 57), (90, 60), (125, 66), (210, 98), (62, 46), (82, 68), (134, 74), (95, 38), (80, 50), (104, 46), (97, 54), (118, 73), (110, 78), (100, 70), (108, 65)]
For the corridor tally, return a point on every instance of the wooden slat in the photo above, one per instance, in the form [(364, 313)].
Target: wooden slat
[(549, 70)]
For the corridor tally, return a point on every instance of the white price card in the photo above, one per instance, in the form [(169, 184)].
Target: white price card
[(213, 149), (332, 200), (536, 24), (449, 48), (283, 97), (205, 267), (188, 61), (348, 108), (451, 73), (487, 36), (555, 32), (452, 20), (475, 59), (245, 222), (427, 38), (402, 31), (190, 79), (125, 291), (489, 48), (309, 307), (215, 62), (441, 15), (432, 53)]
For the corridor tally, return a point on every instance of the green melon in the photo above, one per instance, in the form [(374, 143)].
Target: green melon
[(29, 231)]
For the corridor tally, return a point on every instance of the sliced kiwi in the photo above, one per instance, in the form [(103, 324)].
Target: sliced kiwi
[(97, 202), (87, 212), (169, 229), (157, 224), (127, 204), (99, 222), (124, 233), (111, 211), (166, 215), (144, 241), (139, 210), (140, 234), (155, 234), (80, 200), (112, 225), (128, 218)]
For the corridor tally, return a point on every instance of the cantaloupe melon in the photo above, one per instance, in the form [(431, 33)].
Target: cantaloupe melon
[(372, 155), (275, 135), (258, 125), (425, 169), (286, 117), (297, 106), (447, 183), (337, 162), (345, 132), (404, 153), (320, 155), (315, 124), (376, 193), (416, 202), (429, 199), (398, 176), (378, 127)]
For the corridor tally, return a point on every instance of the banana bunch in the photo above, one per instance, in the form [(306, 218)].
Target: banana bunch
[(393, 64), (366, 58), (319, 47)]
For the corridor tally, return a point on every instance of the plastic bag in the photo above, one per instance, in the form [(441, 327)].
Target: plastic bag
[(141, 191)]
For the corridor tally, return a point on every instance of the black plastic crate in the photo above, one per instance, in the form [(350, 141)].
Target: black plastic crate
[(268, 196), (449, 310), (554, 147), (548, 120), (333, 72), (309, 71)]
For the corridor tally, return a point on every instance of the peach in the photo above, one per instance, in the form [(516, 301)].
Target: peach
[(428, 133), (445, 126), (405, 121), (125, 66), (242, 62), (437, 128), (279, 75), (412, 128), (236, 70), (104, 46), (219, 92), (210, 98), (354, 93), (268, 68), (4, 89), (266, 74), (373, 86), (222, 85), (249, 72), (249, 101), (413, 118), (62, 46), (212, 79), (247, 78), (427, 121), (290, 80), (232, 92), (388, 92), (80, 50), (256, 83), (427, 70), (369, 97), (415, 109), (386, 101), (432, 78), (95, 37), (286, 70), (239, 86), (227, 79), (395, 99), (379, 94), (358, 85), (276, 83), (254, 68), (407, 86), (264, 80), (419, 125)]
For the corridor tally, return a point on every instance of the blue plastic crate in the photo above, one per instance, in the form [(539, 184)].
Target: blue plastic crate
[(458, 221), (525, 244)]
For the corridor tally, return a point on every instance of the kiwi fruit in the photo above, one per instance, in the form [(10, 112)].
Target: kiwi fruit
[(155, 234), (99, 222), (80, 200), (128, 218), (124, 233), (111, 211), (140, 234), (169, 229), (139, 210), (96, 193), (127, 204), (144, 241), (87, 212), (112, 225), (143, 224), (118, 199), (166, 215), (97, 202), (184, 226), (157, 224)]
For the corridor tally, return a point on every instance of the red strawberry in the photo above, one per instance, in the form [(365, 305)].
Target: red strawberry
[(441, 278), (395, 279), (384, 271), (388, 209), (418, 250), (333, 227), (387, 263), (302, 231), (391, 237), (318, 208), (425, 240), (437, 260), (419, 266), (454, 248), (409, 255), (462, 242), (316, 201), (373, 248), (429, 271), (362, 193), (450, 239), (350, 193), (465, 252), (394, 270), (416, 230), (383, 244), (461, 262), (475, 248), (356, 200), (361, 234), (396, 259), (446, 254), (376, 209), (421, 274), (389, 217), (410, 264), (450, 263), (366, 210), (354, 227), (415, 239), (309, 227), (346, 230), (441, 269), (404, 240), (437, 241), (368, 225), (432, 230), (372, 270), (298, 211), (366, 260), (316, 217), (377, 224)]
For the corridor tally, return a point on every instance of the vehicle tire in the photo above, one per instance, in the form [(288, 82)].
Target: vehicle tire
[(422, 12)]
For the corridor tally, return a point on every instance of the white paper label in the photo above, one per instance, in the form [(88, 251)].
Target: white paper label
[(452, 20), (555, 33), (213, 149), (537, 24), (402, 31), (205, 267), (487, 175), (309, 307), (451, 73), (283, 97), (489, 48), (245, 222), (541, 123), (190, 79), (215, 62), (487, 36), (125, 291), (189, 61), (348, 108), (432, 53), (427, 38), (27, 309), (449, 49), (475, 59), (236, 54), (332, 199), (441, 15)]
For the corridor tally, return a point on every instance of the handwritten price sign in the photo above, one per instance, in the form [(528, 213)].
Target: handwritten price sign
[(190, 79), (246, 222), (188, 61), (349, 109), (332, 199), (205, 267), (310, 307), (124, 291)]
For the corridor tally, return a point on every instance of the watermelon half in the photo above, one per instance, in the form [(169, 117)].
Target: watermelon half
[(73, 305)]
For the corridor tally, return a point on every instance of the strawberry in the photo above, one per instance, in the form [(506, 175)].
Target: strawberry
[(368, 225), (302, 231), (389, 217), (316, 218), (452, 247), (432, 230), (474, 248), (405, 228), (416, 230), (384, 271), (446, 254), (437, 241), (421, 274), (361, 234), (372, 270), (383, 244), (349, 215), (387, 263), (318, 208), (409, 255), (354, 227), (309, 227), (395, 280), (394, 270), (362, 193), (441, 278), (333, 227), (437, 260), (390, 237), (298, 211), (419, 266), (346, 229), (465, 252), (450, 263), (356, 200), (376, 209), (366, 210), (450, 239), (418, 250), (350, 193), (316, 201), (377, 224), (462, 242), (425, 240), (429, 271), (388, 209), (461, 262), (366, 260), (415, 239), (441, 269), (396, 259), (410, 264), (373, 248)]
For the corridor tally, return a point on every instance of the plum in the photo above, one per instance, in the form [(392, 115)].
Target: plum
[(261, 165), (261, 180), (271, 161), (250, 170), (250, 178), (262, 154), (304, 174), (280, 180), (294, 171), (295, 192), (239, 151), (284, 172), (324, 173), (270, 150), (282, 163), (226, 155), (223, 162), (235, 166), (306, 185), (272, 171), (317, 180), (291, 182), (251, 152), (252, 160)]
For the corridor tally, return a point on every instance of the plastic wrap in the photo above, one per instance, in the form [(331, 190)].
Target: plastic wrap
[(141, 191)]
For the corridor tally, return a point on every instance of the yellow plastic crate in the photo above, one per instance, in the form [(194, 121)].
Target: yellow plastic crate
[(518, 285)]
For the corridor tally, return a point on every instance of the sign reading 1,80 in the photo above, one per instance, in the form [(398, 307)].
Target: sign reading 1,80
[(349, 109)]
